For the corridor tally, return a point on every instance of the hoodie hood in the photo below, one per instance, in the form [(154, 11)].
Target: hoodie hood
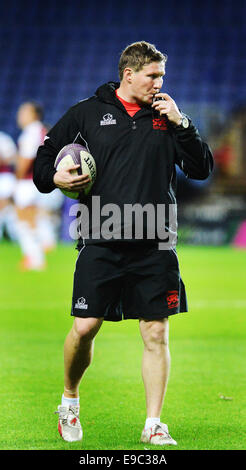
[(106, 92)]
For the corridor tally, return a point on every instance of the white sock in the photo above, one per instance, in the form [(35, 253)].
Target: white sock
[(46, 231), (29, 243), (11, 223), (151, 421), (70, 401)]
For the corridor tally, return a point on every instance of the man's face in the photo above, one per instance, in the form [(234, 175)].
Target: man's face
[(147, 82)]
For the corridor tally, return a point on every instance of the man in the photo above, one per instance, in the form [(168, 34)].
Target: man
[(29, 120), (30, 204), (135, 144)]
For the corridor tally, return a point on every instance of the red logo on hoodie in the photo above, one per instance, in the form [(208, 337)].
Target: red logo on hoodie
[(160, 124)]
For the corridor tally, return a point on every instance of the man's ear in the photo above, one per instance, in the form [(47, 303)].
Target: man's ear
[(128, 73)]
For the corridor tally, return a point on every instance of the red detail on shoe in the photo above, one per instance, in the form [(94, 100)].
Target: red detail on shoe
[(59, 428), (172, 299), (74, 421), (157, 434)]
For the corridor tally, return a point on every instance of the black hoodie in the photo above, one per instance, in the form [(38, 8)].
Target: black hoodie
[(135, 156)]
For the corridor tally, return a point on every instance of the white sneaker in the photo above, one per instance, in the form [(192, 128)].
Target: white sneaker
[(158, 435), (69, 425)]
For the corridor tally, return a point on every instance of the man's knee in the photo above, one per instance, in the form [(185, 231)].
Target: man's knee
[(155, 332), (86, 328)]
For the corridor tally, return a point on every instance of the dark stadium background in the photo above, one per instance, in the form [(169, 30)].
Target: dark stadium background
[(57, 53)]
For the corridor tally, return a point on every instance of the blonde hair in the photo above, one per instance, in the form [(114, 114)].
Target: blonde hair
[(138, 54)]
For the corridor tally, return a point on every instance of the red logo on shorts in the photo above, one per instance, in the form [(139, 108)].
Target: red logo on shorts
[(172, 299), (160, 124)]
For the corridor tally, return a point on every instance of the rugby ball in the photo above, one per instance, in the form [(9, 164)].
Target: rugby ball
[(76, 154)]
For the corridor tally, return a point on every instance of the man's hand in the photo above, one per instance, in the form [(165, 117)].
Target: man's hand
[(167, 106), (66, 179)]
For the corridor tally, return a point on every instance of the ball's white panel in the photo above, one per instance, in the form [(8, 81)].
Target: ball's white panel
[(66, 162)]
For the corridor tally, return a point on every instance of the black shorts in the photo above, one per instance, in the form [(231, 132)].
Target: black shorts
[(127, 280)]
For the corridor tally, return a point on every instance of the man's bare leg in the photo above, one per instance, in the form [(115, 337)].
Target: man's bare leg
[(156, 363), (155, 372), (78, 352), (33, 255)]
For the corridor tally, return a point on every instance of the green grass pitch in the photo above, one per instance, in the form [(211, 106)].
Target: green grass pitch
[(205, 404)]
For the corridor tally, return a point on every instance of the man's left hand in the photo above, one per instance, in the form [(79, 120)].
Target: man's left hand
[(167, 106)]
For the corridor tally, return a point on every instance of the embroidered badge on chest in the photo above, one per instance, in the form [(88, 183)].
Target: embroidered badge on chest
[(107, 120)]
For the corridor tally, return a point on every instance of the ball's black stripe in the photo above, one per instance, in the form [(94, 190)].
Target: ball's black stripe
[(77, 161)]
